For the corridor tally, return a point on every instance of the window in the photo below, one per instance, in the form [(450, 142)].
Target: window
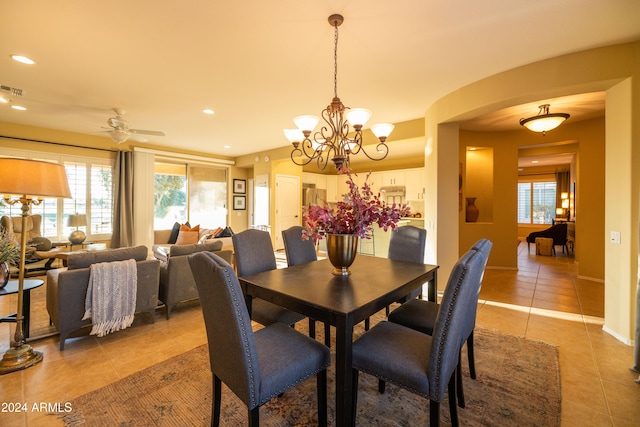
[(197, 194), (170, 195), (536, 202), (90, 179)]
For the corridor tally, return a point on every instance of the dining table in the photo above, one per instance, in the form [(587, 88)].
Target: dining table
[(341, 301)]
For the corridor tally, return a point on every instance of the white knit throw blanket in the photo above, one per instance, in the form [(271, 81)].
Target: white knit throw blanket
[(111, 296)]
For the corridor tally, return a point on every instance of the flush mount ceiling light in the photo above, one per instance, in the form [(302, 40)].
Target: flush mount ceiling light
[(544, 121), (333, 140)]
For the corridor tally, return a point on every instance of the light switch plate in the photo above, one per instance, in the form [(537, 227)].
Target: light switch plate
[(615, 237)]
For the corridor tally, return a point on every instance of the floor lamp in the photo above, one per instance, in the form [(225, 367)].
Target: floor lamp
[(27, 182)]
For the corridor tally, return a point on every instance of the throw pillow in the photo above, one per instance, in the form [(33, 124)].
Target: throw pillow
[(205, 237), (41, 243), (174, 233), (188, 236)]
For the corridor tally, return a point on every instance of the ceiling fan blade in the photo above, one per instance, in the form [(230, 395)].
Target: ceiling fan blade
[(137, 138), (147, 132)]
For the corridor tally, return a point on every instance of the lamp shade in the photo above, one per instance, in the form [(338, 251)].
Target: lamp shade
[(382, 130), (33, 178), (544, 121), (77, 220), (293, 135), (306, 122), (358, 116)]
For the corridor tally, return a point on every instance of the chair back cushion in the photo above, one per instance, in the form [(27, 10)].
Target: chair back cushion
[(408, 244), (85, 259), (178, 250), (13, 226), (232, 348), (298, 251), (460, 293), (254, 252)]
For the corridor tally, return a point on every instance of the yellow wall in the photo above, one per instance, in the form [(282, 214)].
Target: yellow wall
[(500, 224), (588, 71)]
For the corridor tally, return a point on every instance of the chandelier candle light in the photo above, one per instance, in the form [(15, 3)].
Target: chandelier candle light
[(544, 121), (333, 141), (27, 182)]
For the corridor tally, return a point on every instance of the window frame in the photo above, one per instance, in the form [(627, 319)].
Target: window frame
[(531, 181), (61, 215)]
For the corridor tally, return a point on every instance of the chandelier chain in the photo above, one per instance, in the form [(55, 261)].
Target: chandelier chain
[(335, 61)]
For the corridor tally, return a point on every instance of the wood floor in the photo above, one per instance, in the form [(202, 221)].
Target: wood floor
[(543, 300)]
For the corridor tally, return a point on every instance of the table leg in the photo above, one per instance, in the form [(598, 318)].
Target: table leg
[(26, 311), (344, 374), (432, 288)]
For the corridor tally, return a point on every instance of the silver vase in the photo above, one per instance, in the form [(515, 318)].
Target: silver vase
[(342, 250)]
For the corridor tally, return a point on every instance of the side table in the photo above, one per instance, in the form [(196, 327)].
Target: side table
[(12, 288)]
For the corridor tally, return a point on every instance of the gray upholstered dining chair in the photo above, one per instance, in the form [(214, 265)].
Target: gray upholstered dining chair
[(420, 363), (255, 366), (421, 316), (406, 243), (300, 251), (254, 254)]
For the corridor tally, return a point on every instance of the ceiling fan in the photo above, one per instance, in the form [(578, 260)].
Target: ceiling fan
[(120, 131)]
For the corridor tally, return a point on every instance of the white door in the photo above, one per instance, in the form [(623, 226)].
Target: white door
[(288, 206)]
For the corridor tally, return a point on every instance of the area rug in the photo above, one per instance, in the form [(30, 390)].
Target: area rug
[(518, 384)]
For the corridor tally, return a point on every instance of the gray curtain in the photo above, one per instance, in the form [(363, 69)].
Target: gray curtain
[(123, 201)]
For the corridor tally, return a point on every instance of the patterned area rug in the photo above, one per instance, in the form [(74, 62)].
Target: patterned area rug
[(518, 384)]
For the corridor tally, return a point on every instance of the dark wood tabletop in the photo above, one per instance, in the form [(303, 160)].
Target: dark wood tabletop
[(342, 301)]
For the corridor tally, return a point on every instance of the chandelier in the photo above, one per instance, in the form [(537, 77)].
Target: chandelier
[(544, 121), (332, 141)]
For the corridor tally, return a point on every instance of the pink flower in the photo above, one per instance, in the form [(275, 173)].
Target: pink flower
[(355, 214)]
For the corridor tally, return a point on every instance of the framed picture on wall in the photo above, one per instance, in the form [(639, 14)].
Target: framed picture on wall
[(239, 203), (240, 186)]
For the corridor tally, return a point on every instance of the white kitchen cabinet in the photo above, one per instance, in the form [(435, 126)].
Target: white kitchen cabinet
[(321, 182), (332, 189), (415, 184), (394, 177), (309, 178), (375, 181)]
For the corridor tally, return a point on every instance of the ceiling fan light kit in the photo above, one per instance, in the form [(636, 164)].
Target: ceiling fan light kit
[(544, 121), (332, 141), (120, 130)]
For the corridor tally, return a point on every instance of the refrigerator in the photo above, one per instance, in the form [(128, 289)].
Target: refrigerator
[(313, 196)]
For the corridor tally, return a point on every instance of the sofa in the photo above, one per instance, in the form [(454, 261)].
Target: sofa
[(556, 232), (176, 281), (161, 245), (67, 287)]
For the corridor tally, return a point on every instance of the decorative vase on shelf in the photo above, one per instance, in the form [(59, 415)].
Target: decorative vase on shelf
[(342, 250), (4, 274), (472, 211)]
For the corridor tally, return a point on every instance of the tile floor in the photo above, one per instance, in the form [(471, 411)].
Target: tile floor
[(543, 300)]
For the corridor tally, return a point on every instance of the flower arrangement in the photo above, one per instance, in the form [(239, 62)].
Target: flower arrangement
[(355, 214), (9, 251)]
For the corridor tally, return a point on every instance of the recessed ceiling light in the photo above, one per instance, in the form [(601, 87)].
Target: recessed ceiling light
[(534, 161), (23, 59), (19, 107), (208, 111), (227, 146)]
